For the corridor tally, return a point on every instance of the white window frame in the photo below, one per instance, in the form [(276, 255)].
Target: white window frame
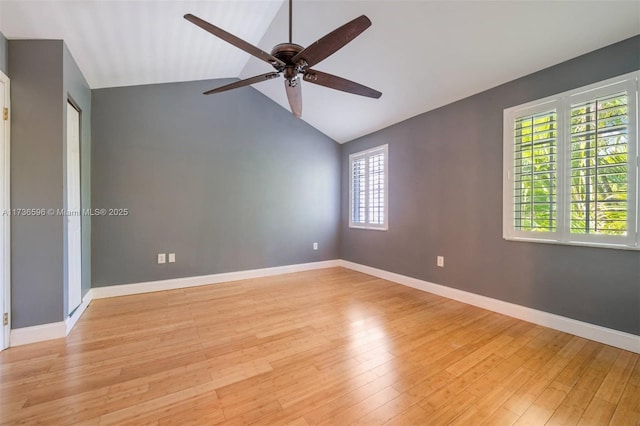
[(562, 104), (367, 154)]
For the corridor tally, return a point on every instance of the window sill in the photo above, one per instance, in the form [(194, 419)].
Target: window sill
[(573, 243), (370, 228)]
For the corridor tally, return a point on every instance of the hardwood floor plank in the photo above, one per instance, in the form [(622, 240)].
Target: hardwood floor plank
[(332, 408), (559, 370), (584, 390), (354, 412), (501, 417), (491, 400), (627, 411), (158, 406), (543, 406), (599, 412), (388, 411), (415, 415), (614, 383), (452, 408)]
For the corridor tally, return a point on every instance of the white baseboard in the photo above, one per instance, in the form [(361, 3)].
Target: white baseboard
[(37, 333), (608, 336), (56, 330), (172, 284)]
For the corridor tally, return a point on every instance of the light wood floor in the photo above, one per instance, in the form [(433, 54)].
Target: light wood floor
[(323, 347)]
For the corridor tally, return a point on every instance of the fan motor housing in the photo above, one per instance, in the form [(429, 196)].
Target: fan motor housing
[(286, 51)]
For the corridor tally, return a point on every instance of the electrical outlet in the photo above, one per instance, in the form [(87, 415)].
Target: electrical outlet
[(172, 257), (315, 246), (162, 258), (440, 261)]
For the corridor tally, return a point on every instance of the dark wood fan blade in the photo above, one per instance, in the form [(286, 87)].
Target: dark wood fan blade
[(242, 83), (294, 95), (339, 83), (333, 41), (237, 42)]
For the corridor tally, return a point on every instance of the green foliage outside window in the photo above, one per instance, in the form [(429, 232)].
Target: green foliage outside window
[(599, 146), (535, 172)]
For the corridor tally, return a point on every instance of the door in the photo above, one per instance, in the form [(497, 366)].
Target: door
[(5, 217), (74, 218)]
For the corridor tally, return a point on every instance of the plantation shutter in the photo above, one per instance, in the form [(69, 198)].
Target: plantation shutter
[(368, 189), (358, 182), (535, 172), (376, 189), (599, 166)]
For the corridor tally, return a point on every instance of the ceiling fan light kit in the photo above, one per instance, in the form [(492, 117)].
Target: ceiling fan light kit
[(293, 61)]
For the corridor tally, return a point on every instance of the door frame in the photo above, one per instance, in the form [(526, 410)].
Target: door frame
[(5, 218), (76, 106)]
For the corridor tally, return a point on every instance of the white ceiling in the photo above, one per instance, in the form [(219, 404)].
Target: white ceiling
[(419, 54)]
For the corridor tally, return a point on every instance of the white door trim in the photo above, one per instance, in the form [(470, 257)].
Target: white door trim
[(5, 218), (73, 207)]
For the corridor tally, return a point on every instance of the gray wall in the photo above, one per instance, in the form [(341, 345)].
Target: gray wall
[(36, 181), (4, 54), (75, 87), (228, 182), (43, 76), (446, 199)]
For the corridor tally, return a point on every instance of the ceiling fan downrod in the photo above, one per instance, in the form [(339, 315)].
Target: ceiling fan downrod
[(290, 21)]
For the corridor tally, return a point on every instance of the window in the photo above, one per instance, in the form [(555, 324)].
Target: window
[(368, 189), (570, 167)]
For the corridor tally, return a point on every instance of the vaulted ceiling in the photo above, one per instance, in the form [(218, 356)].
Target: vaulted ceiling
[(419, 54)]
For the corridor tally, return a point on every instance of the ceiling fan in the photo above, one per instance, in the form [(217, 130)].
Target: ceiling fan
[(295, 61)]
